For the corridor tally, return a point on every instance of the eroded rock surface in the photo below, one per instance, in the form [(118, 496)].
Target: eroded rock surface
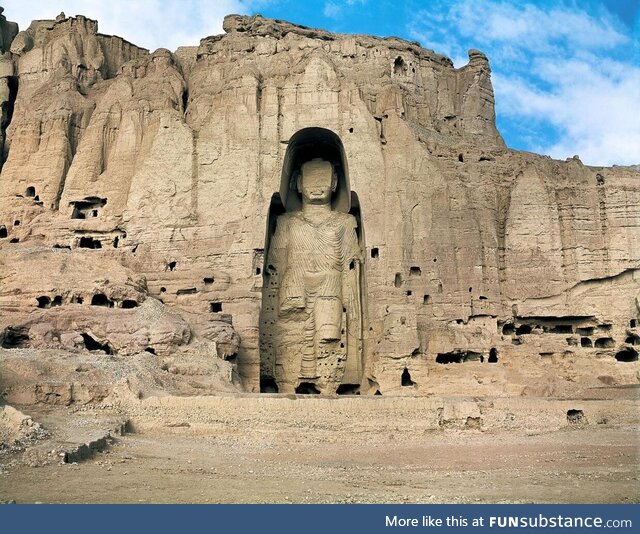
[(148, 179)]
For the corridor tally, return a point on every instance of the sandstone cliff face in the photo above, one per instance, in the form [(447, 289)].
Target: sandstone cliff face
[(487, 270)]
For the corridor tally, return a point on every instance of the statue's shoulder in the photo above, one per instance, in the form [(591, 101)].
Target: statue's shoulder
[(346, 219)]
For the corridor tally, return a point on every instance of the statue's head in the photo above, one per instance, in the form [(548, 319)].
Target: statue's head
[(317, 181)]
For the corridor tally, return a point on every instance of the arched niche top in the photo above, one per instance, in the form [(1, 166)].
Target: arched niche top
[(307, 144)]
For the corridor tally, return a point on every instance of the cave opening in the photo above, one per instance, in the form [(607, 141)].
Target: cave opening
[(399, 66), (15, 337), (89, 242), (405, 379), (30, 192), (523, 329), (493, 355), (627, 355), (348, 389), (632, 339), (89, 206), (604, 343), (44, 301), (3, 232), (93, 344), (508, 329), (100, 299), (575, 417), (268, 385), (586, 342), (216, 307), (375, 253), (307, 388), (459, 357), (127, 304)]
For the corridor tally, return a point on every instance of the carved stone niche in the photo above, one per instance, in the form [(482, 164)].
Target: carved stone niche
[(311, 320)]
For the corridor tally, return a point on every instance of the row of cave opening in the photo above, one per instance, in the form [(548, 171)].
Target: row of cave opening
[(99, 299), (17, 337)]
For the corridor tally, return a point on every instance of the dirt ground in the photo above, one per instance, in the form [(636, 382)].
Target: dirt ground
[(178, 465)]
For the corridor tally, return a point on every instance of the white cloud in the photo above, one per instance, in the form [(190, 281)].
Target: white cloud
[(148, 23), (335, 9), (553, 69)]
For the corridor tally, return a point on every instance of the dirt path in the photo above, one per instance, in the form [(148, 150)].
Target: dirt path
[(179, 465)]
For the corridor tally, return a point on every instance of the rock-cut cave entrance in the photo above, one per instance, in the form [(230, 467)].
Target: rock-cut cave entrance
[(310, 332)]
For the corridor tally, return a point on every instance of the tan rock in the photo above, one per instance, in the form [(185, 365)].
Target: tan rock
[(486, 271)]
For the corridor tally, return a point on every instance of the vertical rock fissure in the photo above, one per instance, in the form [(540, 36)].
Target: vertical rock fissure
[(7, 115)]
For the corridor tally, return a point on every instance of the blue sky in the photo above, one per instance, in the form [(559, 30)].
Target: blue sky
[(566, 73)]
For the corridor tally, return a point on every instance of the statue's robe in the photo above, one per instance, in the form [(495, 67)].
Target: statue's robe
[(315, 306)]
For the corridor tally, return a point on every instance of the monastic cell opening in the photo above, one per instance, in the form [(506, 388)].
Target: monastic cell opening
[(116, 240), (127, 304), (186, 291), (88, 207), (585, 331), (627, 355), (508, 329), (93, 344), (561, 329), (348, 389), (215, 307), (150, 350), (375, 253), (268, 385), (307, 388), (493, 355), (632, 339), (15, 337), (3, 232), (100, 299), (14, 240), (415, 271), (171, 266), (89, 242), (459, 357), (461, 158), (586, 342), (405, 379), (208, 280), (426, 299), (397, 281), (604, 343), (523, 329), (399, 66), (57, 301), (575, 417), (633, 323), (16, 222), (44, 301), (30, 192)]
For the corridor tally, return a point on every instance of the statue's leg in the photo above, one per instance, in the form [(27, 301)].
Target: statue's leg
[(308, 363)]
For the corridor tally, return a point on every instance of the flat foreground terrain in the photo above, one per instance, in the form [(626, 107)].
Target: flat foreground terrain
[(570, 466), (238, 460)]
